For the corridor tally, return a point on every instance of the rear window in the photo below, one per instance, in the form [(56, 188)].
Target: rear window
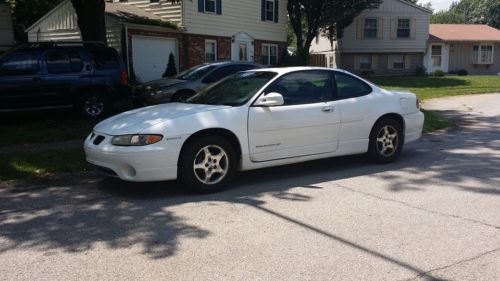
[(104, 59)]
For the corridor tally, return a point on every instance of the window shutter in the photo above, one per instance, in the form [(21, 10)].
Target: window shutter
[(276, 10), (380, 28), (394, 28), (360, 28), (263, 10), (218, 7), (390, 60), (356, 63), (201, 6), (407, 61), (413, 28), (374, 62)]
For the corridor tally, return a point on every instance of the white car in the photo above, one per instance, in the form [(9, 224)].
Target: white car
[(256, 119)]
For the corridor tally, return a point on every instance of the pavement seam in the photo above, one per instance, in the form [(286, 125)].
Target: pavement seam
[(417, 208), (453, 264)]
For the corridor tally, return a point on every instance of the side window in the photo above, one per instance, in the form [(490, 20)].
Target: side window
[(349, 86), (20, 64), (221, 73), (63, 61), (303, 87), (104, 59)]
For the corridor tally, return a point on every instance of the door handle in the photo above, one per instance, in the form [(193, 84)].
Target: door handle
[(327, 109)]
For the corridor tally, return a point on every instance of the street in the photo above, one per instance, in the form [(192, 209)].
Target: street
[(431, 215)]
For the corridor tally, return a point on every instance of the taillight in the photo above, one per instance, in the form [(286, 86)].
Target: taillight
[(123, 78), (418, 103)]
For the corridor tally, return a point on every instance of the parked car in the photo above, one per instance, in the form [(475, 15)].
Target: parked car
[(256, 119), (85, 76), (187, 83)]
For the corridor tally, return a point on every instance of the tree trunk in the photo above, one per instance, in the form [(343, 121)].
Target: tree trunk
[(91, 19)]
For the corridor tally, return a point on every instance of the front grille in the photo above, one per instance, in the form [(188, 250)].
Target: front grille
[(98, 140)]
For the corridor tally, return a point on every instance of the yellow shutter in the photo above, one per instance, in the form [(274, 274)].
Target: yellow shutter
[(356, 62), (380, 28), (360, 28), (394, 27), (390, 62), (407, 61), (413, 28), (374, 62)]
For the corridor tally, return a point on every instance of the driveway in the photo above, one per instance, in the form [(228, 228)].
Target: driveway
[(432, 215)]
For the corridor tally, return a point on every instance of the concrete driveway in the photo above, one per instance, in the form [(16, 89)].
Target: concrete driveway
[(432, 215)]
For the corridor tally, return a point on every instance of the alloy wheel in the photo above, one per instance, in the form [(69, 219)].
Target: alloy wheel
[(211, 164), (387, 141), (93, 106)]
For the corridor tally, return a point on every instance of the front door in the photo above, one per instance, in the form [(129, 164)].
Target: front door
[(242, 47), (307, 124)]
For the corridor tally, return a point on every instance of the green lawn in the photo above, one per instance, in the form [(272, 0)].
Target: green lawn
[(41, 164), (433, 87), (434, 122)]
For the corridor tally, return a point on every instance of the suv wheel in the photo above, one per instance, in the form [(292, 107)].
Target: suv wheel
[(93, 104)]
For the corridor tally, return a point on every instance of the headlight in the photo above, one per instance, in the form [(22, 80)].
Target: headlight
[(135, 140)]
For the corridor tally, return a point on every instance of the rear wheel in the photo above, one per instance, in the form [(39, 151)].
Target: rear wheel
[(207, 164), (93, 103), (386, 141)]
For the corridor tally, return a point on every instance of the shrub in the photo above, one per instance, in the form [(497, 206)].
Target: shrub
[(438, 73), (171, 69), (462, 72), (420, 71)]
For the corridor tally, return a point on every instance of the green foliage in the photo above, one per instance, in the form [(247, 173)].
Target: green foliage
[(434, 122), (420, 71), (462, 72), (171, 70), (438, 73), (471, 12)]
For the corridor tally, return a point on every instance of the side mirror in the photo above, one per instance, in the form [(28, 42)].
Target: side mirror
[(271, 99)]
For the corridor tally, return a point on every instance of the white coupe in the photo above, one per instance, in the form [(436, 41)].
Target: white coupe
[(256, 119)]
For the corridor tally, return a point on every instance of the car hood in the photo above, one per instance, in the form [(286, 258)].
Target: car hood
[(134, 121), (161, 83)]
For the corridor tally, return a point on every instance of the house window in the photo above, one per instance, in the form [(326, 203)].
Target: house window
[(269, 54), (270, 10), (331, 61), (370, 29), (403, 28), (398, 62), (436, 55), (210, 6), (365, 62), (210, 50), (482, 54)]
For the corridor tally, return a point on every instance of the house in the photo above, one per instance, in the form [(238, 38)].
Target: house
[(195, 31), (6, 28), (391, 39), (471, 47)]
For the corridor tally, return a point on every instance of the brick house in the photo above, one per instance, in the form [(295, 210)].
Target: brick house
[(202, 31)]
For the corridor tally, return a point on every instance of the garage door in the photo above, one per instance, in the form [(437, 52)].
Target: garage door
[(150, 56)]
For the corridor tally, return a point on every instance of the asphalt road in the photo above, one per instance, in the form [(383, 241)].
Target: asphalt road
[(432, 215)]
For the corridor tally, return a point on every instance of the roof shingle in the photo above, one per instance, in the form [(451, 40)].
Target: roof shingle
[(463, 32)]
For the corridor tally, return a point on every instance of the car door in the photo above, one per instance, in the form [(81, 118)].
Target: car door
[(306, 124), (356, 105), (20, 81)]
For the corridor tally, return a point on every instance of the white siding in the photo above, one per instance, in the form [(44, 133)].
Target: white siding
[(389, 9), (237, 15), (6, 28), (164, 9)]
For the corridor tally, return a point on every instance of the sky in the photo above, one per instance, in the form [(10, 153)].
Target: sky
[(439, 4)]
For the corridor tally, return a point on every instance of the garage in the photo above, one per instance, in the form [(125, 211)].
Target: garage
[(150, 56)]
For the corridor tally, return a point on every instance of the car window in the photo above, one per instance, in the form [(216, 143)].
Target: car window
[(303, 87), (349, 86), (195, 72), (223, 72), (20, 64), (63, 61), (104, 59)]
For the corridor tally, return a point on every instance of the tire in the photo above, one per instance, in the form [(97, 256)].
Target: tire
[(207, 154), (93, 104), (182, 96), (386, 141)]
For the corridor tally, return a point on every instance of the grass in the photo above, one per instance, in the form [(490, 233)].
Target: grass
[(434, 122), (434, 87), (27, 165)]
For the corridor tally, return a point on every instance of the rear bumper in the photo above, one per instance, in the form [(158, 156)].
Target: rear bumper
[(414, 124)]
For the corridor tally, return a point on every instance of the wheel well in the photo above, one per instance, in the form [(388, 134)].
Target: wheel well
[(394, 116), (183, 91), (227, 134)]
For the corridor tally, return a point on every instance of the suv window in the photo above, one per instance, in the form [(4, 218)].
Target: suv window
[(225, 71), (63, 61), (350, 87), (104, 59), (303, 87), (20, 64)]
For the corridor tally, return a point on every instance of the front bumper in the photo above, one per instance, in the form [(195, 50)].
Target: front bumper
[(155, 162), (414, 124)]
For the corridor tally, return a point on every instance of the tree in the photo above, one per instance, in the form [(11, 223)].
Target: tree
[(310, 18), (471, 12), (91, 19), (171, 70)]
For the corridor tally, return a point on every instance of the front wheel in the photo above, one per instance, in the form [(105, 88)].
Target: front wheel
[(207, 164), (93, 104), (386, 141)]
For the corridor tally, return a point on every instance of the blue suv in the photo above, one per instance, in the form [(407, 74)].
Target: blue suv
[(84, 76)]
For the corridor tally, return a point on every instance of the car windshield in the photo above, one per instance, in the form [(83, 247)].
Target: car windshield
[(196, 72), (234, 90)]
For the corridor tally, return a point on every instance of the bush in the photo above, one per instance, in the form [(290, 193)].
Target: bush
[(462, 72), (420, 71), (438, 73), (171, 70)]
